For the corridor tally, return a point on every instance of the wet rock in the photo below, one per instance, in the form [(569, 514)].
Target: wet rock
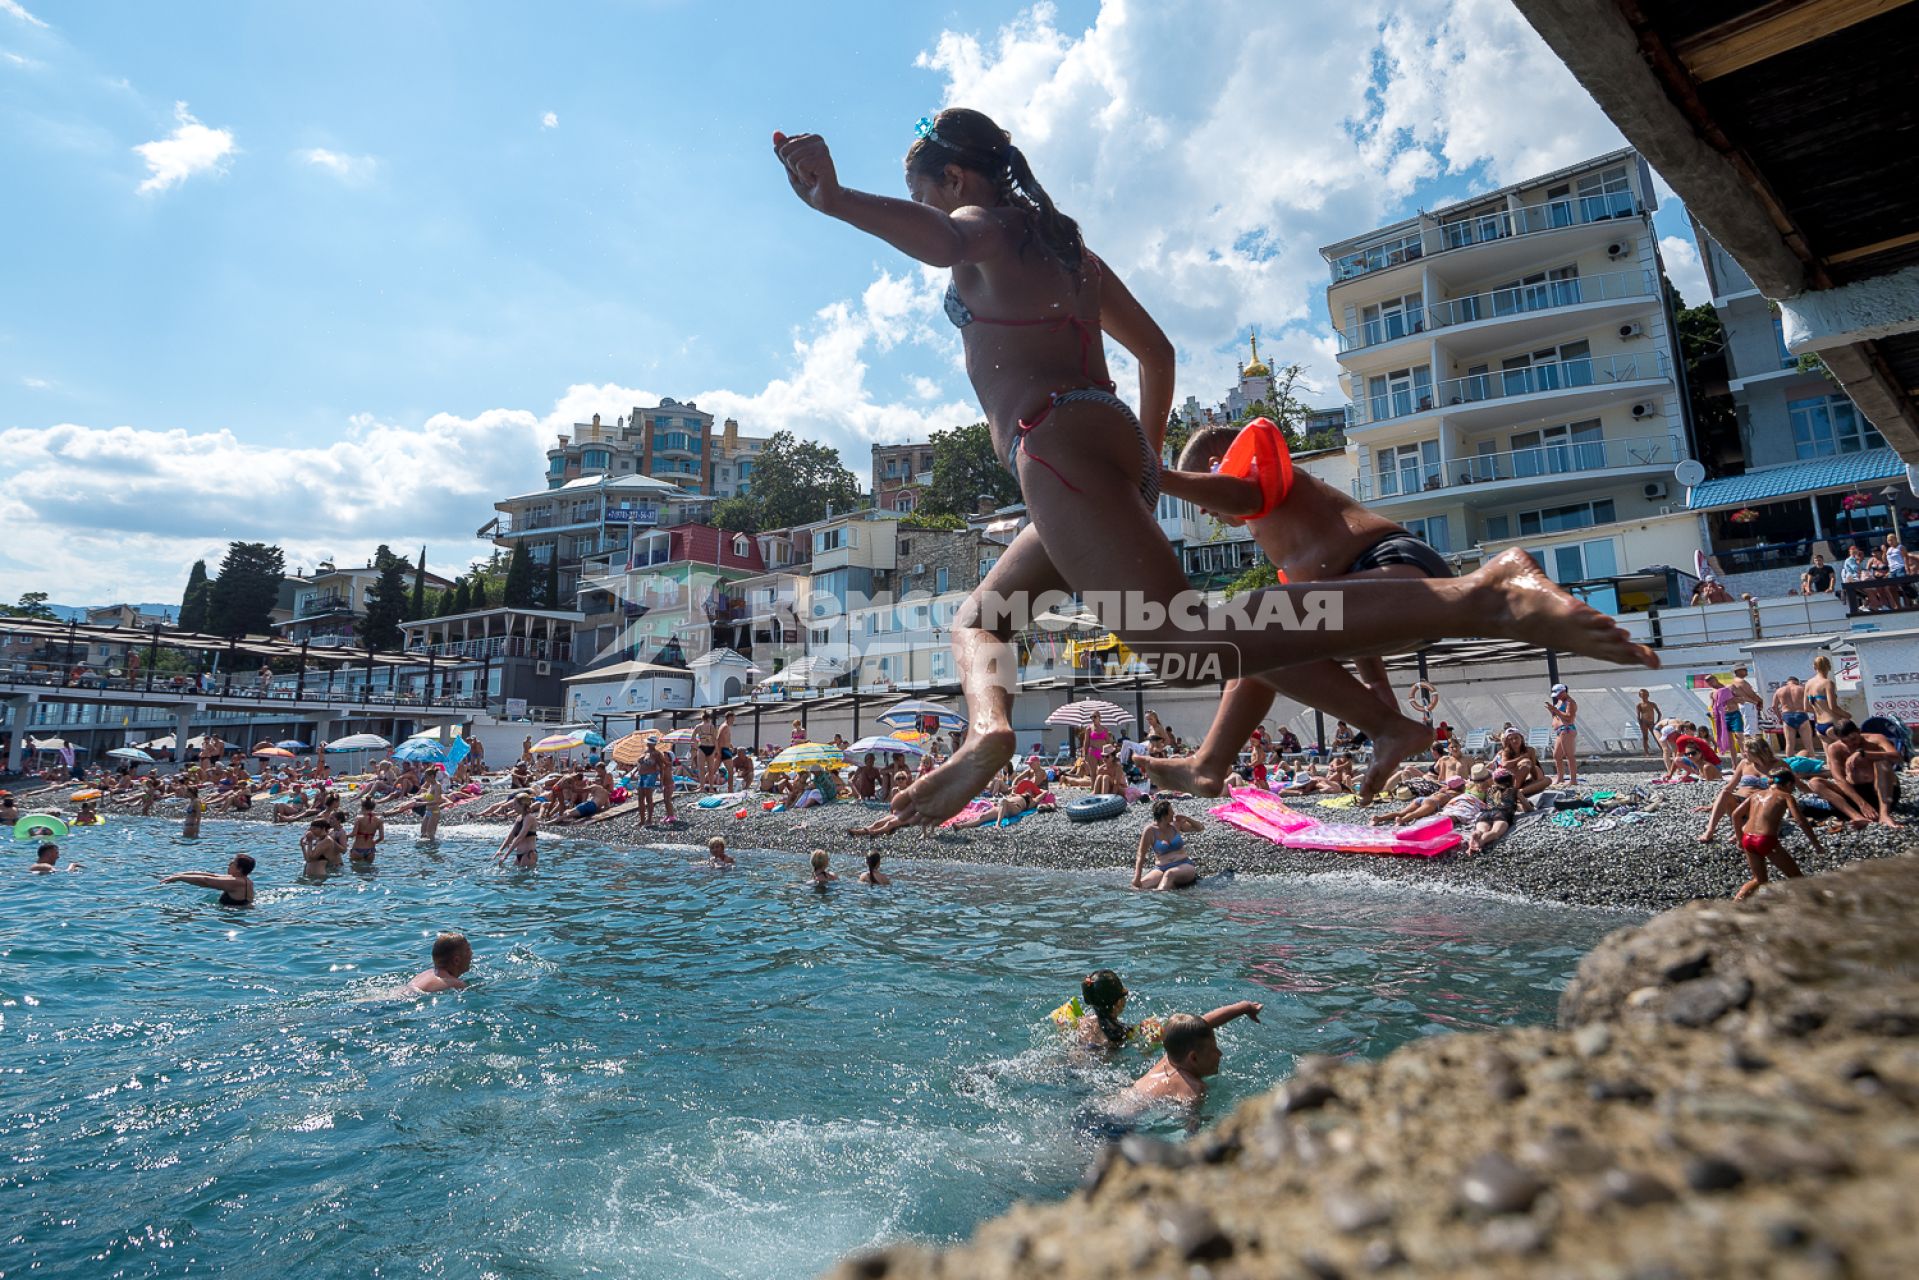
[(1634, 1189), (1592, 1040), (1193, 1235), (1687, 968), (1504, 1084), (1302, 1095), (1351, 1212), (1494, 1184), (1710, 1173), (869, 1266), (1149, 1152), (1707, 1000), (1513, 1235), (1619, 1089), (1382, 1255), (1216, 1149)]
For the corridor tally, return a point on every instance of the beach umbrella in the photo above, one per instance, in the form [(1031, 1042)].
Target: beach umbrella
[(356, 742), (52, 744), (131, 753), (909, 735), (277, 752), (1077, 715), (557, 742), (292, 744), (678, 736), (885, 746), (627, 751), (807, 755), (911, 711), (591, 739), (419, 751), (430, 733)]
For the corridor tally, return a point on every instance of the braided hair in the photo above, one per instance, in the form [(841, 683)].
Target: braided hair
[(1101, 992), (970, 139)]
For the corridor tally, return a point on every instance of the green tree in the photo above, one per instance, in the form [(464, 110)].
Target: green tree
[(241, 600), (551, 594), (1253, 577), (386, 602), (462, 597), (794, 482), (927, 520), (1702, 350), (518, 592), (416, 607), (1282, 405), (1178, 432), (741, 515), (443, 603), (477, 598), (33, 604), (193, 603), (966, 468)]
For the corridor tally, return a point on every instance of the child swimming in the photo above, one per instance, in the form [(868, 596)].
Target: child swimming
[(1031, 302)]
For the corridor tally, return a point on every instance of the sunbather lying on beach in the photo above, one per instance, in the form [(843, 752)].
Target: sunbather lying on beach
[(1458, 799), (1031, 302)]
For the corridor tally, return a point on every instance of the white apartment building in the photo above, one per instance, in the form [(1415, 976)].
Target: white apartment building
[(1513, 375)]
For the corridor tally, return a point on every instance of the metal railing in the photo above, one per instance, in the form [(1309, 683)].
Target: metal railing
[(320, 606), (1461, 231), (1495, 304), (1559, 375), (1544, 461)]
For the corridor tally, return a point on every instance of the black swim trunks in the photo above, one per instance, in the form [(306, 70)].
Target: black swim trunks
[(1402, 548)]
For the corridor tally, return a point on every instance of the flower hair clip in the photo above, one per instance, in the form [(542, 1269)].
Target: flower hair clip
[(926, 130)]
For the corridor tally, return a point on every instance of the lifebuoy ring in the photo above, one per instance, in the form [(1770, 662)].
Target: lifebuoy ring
[(1096, 808), (1260, 452), (1423, 696)]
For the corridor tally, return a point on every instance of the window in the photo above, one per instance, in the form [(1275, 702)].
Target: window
[(1575, 446), (1498, 528), (1787, 360), (739, 545), (1393, 318), (1558, 287), (556, 466), (1580, 515), (1607, 194), (1579, 561), (1408, 468), (1823, 426), (986, 565), (1400, 392), (1548, 369), (595, 460), (1433, 531), (939, 582)]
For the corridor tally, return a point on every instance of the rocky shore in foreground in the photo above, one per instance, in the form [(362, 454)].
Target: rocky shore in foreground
[(1732, 1091)]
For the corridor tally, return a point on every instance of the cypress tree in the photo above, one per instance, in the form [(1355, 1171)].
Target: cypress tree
[(193, 604), (416, 607)]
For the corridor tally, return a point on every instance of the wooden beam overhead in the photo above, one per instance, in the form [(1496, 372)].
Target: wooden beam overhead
[(1770, 30)]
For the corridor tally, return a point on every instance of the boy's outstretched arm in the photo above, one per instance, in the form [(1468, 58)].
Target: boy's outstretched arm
[(917, 230), (1223, 495)]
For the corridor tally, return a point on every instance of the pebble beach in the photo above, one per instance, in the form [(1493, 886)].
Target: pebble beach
[(1648, 864)]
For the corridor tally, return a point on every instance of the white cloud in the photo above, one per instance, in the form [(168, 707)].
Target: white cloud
[(1684, 269), (352, 170), (35, 384), (15, 9), (18, 60), (550, 121), (1209, 160), (191, 148)]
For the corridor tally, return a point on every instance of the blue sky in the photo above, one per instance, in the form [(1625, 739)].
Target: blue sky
[(372, 255)]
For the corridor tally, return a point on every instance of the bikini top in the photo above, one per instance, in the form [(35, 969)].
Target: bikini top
[(962, 315), (1169, 846)]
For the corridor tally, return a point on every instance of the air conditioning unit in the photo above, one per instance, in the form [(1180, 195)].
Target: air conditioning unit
[(1632, 329), (1644, 409), (1618, 249), (542, 668), (1655, 489)]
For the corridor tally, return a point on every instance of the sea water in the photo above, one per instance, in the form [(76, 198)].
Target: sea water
[(660, 1069)]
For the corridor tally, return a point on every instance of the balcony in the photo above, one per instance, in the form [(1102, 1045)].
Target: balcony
[(321, 606), (1505, 474), (1506, 395), (1494, 225), (1500, 304), (497, 648)]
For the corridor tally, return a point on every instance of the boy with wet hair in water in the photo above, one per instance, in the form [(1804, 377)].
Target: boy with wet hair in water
[(1191, 1054), (1759, 819), (452, 956)]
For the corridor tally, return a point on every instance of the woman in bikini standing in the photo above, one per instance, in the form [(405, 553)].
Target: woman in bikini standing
[(1822, 699), (522, 841), (1564, 709)]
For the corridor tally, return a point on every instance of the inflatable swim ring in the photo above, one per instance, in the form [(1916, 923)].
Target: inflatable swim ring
[(39, 825), (1259, 452), (1096, 808)]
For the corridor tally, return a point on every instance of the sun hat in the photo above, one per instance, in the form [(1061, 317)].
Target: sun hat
[(1481, 773), (1455, 784)]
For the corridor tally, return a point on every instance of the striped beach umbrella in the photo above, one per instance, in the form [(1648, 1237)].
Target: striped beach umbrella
[(886, 746), (913, 710), (627, 751), (807, 755), (1077, 715)]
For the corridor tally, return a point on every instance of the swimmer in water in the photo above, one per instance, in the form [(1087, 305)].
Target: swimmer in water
[(236, 886), (1191, 1055), (821, 876), (873, 874), (49, 854), (717, 855), (452, 956), (320, 850), (196, 808), (522, 840)]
